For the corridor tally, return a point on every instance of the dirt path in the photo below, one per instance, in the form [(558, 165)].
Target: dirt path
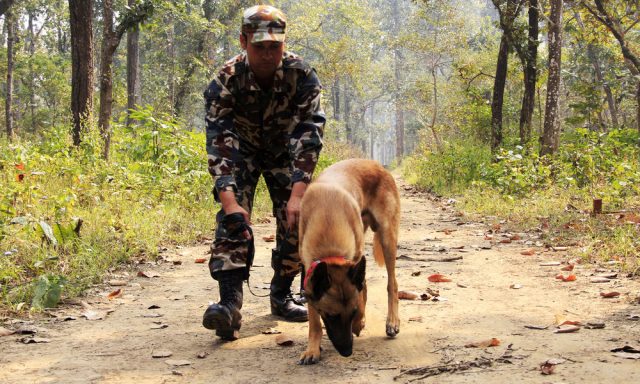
[(479, 305)]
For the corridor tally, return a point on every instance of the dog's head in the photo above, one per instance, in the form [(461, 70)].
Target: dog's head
[(335, 291)]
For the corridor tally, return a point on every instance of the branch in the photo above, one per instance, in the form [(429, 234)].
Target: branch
[(133, 17)]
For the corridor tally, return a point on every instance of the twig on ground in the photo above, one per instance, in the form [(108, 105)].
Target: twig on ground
[(435, 370), (441, 259)]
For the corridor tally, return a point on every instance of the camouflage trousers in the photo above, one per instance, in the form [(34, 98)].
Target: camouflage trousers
[(229, 252)]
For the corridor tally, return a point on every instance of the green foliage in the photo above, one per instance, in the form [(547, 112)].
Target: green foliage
[(449, 171), (67, 213)]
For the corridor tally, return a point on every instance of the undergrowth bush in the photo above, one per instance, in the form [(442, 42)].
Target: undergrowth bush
[(66, 215), (553, 192)]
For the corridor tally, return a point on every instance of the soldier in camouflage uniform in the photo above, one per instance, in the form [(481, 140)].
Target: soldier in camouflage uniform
[(263, 118)]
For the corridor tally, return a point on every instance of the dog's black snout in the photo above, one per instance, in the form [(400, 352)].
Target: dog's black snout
[(345, 350)]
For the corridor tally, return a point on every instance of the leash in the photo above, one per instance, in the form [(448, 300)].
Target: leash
[(241, 225)]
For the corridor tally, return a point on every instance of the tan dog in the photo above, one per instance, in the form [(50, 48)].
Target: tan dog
[(336, 210)]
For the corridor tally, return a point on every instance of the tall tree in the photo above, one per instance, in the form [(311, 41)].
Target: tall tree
[(615, 23), (11, 39), (530, 57), (551, 134), (397, 55), (133, 70), (80, 17), (598, 72), (508, 11), (111, 38)]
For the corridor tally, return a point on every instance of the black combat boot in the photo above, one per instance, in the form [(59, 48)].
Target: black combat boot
[(225, 316), (282, 302)]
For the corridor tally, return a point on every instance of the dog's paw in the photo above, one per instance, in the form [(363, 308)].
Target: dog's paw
[(392, 330), (309, 357)]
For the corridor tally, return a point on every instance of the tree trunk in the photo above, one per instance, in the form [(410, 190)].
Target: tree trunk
[(347, 114), (631, 60), (81, 16), (597, 69), (551, 135), (109, 45), (434, 116), (171, 54), (530, 74), (11, 29), (32, 75), (398, 80), (4, 6), (498, 93), (133, 72), (110, 41), (336, 99)]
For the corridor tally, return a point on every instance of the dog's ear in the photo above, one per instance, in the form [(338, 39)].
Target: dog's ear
[(320, 281), (357, 273)]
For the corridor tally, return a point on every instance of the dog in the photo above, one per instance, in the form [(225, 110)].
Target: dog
[(337, 208)]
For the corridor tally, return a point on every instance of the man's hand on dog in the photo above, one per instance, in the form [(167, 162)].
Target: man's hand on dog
[(230, 205), (293, 205)]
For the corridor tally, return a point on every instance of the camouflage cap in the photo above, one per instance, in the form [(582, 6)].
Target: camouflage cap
[(265, 22)]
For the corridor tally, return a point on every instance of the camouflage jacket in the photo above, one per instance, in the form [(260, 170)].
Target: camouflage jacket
[(285, 122)]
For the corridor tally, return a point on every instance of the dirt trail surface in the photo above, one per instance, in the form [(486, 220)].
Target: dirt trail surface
[(162, 316)]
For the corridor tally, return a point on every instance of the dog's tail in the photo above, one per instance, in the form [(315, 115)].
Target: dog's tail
[(378, 254)]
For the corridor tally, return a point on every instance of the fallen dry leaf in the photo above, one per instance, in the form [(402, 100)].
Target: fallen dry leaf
[(568, 267), (595, 325), (547, 368), (537, 327), (562, 320), (34, 340), (271, 331), (505, 241), (515, 286), (433, 292), (269, 239), (161, 353), (117, 283), (609, 295), (515, 237), (177, 363), (559, 249), (406, 295), (416, 273), (417, 319), (6, 332), (202, 355), (493, 342), (550, 264), (528, 252), (148, 274), (626, 348), (159, 326), (153, 306), (201, 260), (570, 322), (114, 294), (447, 231), (567, 329), (284, 340), (438, 278), (424, 297), (612, 275), (567, 278)]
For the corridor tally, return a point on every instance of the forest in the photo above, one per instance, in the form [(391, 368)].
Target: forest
[(525, 112)]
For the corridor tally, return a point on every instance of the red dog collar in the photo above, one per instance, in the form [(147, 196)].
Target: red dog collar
[(329, 260)]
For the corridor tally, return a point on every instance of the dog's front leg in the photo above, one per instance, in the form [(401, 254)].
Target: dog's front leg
[(312, 354)]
